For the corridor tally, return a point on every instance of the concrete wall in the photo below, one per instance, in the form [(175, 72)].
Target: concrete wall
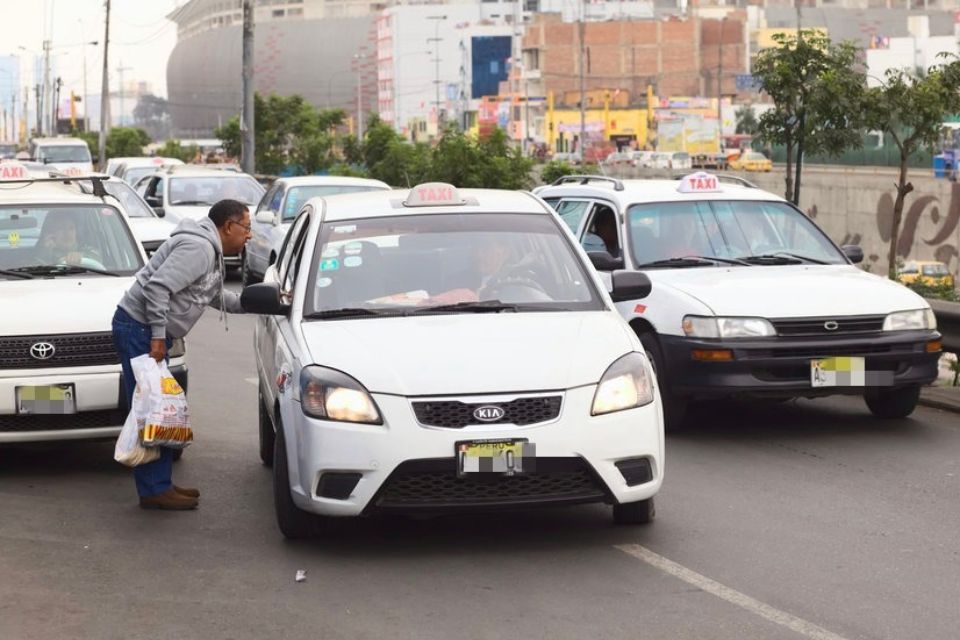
[(855, 206)]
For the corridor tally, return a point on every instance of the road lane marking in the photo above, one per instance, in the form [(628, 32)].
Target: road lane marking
[(742, 600)]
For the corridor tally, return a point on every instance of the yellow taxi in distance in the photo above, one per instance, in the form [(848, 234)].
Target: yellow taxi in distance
[(751, 161), (929, 272)]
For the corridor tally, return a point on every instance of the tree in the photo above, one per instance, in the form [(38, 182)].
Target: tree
[(816, 87), (152, 114), (746, 121), (554, 170), (173, 149), (126, 141), (911, 109)]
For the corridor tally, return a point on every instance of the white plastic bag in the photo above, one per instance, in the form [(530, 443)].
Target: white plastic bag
[(128, 451), (163, 419)]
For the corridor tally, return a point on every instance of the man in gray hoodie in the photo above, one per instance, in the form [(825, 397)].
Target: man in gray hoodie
[(182, 278)]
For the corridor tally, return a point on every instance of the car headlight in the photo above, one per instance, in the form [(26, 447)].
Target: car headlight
[(332, 395), (710, 327), (910, 320), (625, 384)]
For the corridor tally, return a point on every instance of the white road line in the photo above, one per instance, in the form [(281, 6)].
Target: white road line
[(252, 381), (732, 596)]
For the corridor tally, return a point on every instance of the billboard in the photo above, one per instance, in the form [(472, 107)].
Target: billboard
[(489, 59)]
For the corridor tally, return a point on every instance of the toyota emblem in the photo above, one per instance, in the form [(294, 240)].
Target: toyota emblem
[(42, 351), (488, 413), (831, 325)]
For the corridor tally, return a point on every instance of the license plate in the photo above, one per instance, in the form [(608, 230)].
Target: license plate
[(56, 399), (838, 372), (504, 457)]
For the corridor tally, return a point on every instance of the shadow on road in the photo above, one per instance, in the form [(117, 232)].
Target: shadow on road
[(50, 459)]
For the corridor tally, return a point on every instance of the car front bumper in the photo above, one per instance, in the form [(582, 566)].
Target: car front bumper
[(405, 466), (100, 404), (781, 367)]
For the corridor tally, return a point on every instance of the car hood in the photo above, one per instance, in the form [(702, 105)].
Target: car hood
[(463, 354), (793, 291), (148, 229), (179, 212), (60, 305)]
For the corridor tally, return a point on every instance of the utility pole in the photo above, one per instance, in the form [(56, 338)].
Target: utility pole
[(583, 91), (39, 99), (105, 91), (436, 40), (46, 88), (121, 89), (55, 116), (720, 83), (247, 158)]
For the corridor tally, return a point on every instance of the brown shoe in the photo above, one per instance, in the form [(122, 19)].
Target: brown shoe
[(190, 493), (169, 500)]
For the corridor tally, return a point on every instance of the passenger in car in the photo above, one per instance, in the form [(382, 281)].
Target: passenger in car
[(59, 243)]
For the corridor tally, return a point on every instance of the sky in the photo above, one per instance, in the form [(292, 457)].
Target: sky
[(141, 39)]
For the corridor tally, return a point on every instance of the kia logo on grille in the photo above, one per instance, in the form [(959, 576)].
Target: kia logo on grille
[(488, 413), (42, 351), (831, 325)]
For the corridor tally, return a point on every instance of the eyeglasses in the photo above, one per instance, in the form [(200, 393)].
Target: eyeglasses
[(246, 227)]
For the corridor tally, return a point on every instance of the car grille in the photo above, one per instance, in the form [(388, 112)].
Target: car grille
[(435, 484), (824, 351), (792, 327), (84, 420), (454, 414), (71, 350)]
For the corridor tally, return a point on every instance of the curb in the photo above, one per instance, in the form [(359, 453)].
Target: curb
[(946, 404)]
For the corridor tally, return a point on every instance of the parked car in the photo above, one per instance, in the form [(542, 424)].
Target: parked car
[(434, 350), (67, 254), (680, 160), (150, 228), (660, 160), (928, 272), (130, 170), (751, 161), (277, 210), (750, 298), (642, 159), (619, 159)]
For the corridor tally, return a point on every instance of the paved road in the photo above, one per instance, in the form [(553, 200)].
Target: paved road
[(808, 520)]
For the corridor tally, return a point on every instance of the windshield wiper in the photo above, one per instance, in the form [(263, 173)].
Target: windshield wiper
[(484, 306), (188, 203), (62, 270), (16, 274), (346, 312), (687, 261), (781, 257)]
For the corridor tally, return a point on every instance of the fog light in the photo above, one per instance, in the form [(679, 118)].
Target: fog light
[(934, 346), (712, 355)]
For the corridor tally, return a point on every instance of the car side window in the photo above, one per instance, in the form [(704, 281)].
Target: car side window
[(154, 188), (289, 260), (263, 205), (572, 212), (602, 232), (276, 201)]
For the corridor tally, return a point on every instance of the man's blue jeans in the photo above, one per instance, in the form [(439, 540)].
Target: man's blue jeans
[(131, 339)]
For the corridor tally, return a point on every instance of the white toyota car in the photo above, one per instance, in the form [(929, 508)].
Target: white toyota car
[(430, 350)]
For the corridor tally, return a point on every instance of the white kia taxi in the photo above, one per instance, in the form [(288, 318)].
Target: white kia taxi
[(430, 350), (67, 254), (750, 297)]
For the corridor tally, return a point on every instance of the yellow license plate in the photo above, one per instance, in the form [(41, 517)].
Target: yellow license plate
[(838, 372), (505, 457), (57, 399)]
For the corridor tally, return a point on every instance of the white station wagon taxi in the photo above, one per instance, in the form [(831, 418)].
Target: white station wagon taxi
[(750, 297), (66, 256), (431, 349)]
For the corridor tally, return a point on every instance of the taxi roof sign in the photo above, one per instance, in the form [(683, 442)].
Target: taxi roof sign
[(700, 182), (433, 194), (13, 171)]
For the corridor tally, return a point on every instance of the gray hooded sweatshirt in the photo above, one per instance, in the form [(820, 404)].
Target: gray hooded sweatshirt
[(180, 280)]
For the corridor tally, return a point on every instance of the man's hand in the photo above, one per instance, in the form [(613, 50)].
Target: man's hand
[(158, 349)]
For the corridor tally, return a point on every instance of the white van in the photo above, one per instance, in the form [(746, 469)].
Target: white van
[(68, 155), (434, 350), (750, 297)]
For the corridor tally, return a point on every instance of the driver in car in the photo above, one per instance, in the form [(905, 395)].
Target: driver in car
[(59, 243)]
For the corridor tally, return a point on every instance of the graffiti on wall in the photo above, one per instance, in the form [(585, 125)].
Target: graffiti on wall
[(937, 235)]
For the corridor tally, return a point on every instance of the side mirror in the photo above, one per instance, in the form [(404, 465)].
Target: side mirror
[(630, 285), (264, 217), (603, 261), (160, 212), (263, 299), (854, 252), (154, 201)]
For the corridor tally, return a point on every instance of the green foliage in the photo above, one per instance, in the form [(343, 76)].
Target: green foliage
[(173, 149), (341, 169), (746, 121), (939, 291), (554, 170), (126, 141)]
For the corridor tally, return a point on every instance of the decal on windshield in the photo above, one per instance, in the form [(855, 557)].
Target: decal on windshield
[(352, 261), (329, 265), (324, 282)]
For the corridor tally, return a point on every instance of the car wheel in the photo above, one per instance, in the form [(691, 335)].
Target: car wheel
[(642, 512), (893, 403), (293, 522), (267, 435), (674, 408)]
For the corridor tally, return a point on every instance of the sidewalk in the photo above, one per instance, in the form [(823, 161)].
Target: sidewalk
[(946, 398)]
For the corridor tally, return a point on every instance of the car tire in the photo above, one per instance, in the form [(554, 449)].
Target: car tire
[(891, 404), (642, 512), (674, 408), (267, 434), (294, 522)]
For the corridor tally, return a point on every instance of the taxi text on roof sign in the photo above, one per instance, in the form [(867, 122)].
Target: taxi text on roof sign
[(13, 171), (700, 182), (433, 194)]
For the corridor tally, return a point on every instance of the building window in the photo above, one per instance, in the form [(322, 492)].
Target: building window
[(278, 13), (295, 12)]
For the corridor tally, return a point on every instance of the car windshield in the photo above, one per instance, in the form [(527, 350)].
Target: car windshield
[(725, 229), (447, 263), (132, 203), (63, 153), (935, 270), (207, 190), (133, 174), (296, 196), (53, 239)]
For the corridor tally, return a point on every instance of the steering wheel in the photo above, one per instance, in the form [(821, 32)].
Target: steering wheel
[(520, 275)]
